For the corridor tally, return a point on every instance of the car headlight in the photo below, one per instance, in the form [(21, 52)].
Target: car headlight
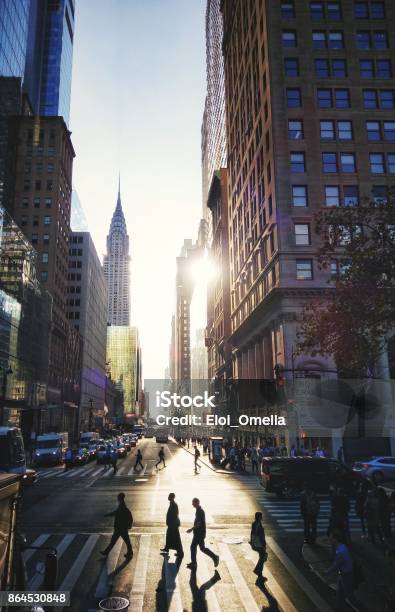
[(37, 454), (54, 452)]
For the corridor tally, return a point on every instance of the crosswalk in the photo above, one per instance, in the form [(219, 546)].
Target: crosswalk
[(95, 471), (287, 515), (153, 582)]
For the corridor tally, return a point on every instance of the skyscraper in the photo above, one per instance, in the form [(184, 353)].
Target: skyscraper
[(213, 145), (49, 56), (14, 23), (117, 268)]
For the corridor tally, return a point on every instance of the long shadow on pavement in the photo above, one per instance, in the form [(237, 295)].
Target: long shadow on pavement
[(199, 603), (273, 605), (167, 584)]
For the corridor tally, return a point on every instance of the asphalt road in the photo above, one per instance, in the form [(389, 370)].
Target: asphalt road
[(65, 510)]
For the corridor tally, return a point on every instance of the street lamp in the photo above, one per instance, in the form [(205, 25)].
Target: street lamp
[(6, 372)]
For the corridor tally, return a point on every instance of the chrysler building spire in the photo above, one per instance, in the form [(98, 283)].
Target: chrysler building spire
[(117, 267)]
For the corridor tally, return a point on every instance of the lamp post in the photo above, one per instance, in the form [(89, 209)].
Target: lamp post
[(6, 372)]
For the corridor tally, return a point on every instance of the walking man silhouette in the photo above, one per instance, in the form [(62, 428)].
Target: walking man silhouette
[(123, 521), (161, 456), (199, 535), (139, 457)]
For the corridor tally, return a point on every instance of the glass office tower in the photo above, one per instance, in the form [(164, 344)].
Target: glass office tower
[(14, 22), (57, 58)]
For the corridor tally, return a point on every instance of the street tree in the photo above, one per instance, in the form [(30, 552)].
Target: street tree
[(351, 320)]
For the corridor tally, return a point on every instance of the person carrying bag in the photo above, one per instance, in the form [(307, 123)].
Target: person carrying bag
[(258, 544)]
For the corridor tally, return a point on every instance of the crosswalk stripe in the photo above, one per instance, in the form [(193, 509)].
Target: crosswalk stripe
[(110, 564), (120, 471), (34, 583), (174, 603), (131, 471), (203, 577), (98, 471), (240, 584), (305, 585), (144, 470), (51, 473), (136, 596), (37, 542), (78, 565), (84, 473)]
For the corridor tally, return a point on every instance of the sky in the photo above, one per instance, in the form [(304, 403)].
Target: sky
[(136, 108)]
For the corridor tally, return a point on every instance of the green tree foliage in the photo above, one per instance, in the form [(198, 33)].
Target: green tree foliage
[(352, 318)]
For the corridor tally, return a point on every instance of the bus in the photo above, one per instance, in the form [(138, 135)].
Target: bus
[(161, 436)]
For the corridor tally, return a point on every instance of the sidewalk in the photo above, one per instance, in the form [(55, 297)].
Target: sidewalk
[(379, 576)]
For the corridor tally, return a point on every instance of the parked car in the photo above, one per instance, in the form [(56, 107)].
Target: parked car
[(80, 457), (121, 452), (377, 469), (127, 444), (288, 475)]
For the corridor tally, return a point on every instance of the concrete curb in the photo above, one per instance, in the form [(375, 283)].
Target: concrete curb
[(193, 454)]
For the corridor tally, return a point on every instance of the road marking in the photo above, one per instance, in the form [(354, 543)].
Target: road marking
[(110, 564), (85, 473), (136, 595), (38, 542), (174, 603), (51, 473), (131, 471), (119, 472), (34, 583), (154, 497), (317, 600), (203, 577), (98, 471), (240, 584), (144, 470), (69, 582), (274, 587)]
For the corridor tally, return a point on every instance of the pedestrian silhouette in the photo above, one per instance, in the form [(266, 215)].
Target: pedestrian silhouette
[(173, 538), (139, 458), (161, 456), (199, 535), (123, 521)]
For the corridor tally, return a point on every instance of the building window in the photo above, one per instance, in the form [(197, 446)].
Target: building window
[(361, 10), (25, 202), (287, 10), (291, 67), (334, 11), (391, 163), (324, 98), (344, 130), (377, 10), (293, 98), (46, 238), (370, 100), (366, 69), (334, 269), (387, 99), (302, 234), (298, 162), (327, 130), (376, 163), (36, 202), (332, 195), (34, 239), (35, 221), (321, 68), (380, 40), (342, 98), (44, 276), (37, 185), (351, 195), (384, 69), (44, 258), (304, 269), (363, 40), (295, 129), (389, 130), (48, 202), (373, 130), (289, 38), (49, 185), (347, 162), (329, 163), (336, 40), (50, 168), (317, 10), (339, 68), (47, 220), (24, 221), (319, 40), (380, 194), (299, 195)]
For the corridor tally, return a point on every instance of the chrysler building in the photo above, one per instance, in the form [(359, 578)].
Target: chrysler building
[(116, 268)]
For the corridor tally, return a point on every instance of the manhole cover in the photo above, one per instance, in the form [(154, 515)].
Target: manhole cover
[(233, 540), (114, 603)]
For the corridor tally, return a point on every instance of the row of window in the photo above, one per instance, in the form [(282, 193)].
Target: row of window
[(340, 98), (365, 39), (334, 195), (344, 162), (35, 220), (343, 130), (38, 185), (337, 68), (333, 10), (37, 202)]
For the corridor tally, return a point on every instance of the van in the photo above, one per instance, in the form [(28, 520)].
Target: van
[(281, 474), (50, 448)]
